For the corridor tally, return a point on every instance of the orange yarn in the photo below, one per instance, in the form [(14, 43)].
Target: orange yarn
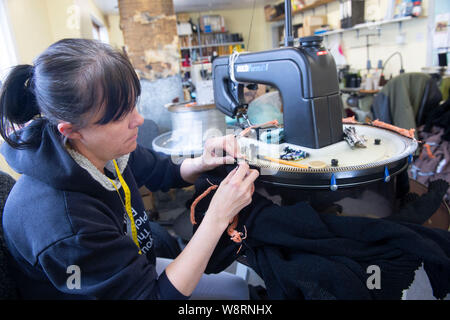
[(404, 132), (235, 235), (197, 200), (349, 120), (428, 150), (273, 123)]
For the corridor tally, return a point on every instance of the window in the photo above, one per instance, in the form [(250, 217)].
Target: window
[(7, 49), (99, 32), (95, 30)]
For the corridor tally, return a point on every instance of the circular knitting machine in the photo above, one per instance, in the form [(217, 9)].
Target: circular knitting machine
[(367, 154)]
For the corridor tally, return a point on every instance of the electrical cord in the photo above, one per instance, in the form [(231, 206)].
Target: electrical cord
[(387, 60), (251, 22), (231, 59)]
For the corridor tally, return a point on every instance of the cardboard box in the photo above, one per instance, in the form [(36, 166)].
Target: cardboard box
[(269, 12), (183, 17), (314, 21), (309, 2), (311, 24), (147, 198)]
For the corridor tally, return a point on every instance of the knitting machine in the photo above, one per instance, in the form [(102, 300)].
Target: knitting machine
[(313, 149)]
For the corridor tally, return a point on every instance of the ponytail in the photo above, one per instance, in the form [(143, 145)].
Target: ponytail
[(70, 81), (17, 103)]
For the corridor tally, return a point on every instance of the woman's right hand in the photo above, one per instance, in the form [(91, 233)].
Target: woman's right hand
[(233, 194)]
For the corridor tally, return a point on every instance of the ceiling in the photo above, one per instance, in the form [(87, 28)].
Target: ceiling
[(111, 6)]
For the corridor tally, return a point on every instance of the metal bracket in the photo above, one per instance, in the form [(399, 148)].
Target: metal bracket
[(242, 113)]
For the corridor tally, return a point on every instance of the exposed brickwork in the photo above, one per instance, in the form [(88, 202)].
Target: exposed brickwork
[(150, 34)]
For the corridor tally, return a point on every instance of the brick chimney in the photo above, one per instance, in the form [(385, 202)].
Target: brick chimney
[(150, 33), (151, 41)]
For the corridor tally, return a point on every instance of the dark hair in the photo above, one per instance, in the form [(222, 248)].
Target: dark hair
[(71, 80)]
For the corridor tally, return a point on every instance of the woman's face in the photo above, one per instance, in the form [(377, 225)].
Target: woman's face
[(101, 143)]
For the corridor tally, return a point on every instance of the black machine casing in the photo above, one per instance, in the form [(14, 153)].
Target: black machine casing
[(307, 80)]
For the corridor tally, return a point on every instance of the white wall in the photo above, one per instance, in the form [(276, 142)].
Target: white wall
[(46, 22), (413, 48), (385, 42), (31, 28), (115, 33), (36, 24)]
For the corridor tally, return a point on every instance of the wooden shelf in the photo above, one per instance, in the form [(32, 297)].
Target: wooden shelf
[(369, 25), (305, 8), (204, 33), (214, 32), (212, 45)]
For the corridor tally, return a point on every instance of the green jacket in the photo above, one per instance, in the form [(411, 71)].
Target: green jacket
[(445, 88), (405, 100)]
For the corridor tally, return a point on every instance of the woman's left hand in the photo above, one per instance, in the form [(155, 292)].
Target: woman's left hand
[(219, 151), (216, 152)]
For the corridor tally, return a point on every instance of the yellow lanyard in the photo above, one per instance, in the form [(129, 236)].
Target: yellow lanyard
[(127, 204)]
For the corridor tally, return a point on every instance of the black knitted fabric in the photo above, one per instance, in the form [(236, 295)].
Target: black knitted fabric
[(440, 117), (418, 209), (303, 254)]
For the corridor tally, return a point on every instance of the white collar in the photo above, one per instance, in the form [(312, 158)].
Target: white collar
[(96, 174)]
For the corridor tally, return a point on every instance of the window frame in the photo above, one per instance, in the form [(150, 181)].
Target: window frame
[(8, 53)]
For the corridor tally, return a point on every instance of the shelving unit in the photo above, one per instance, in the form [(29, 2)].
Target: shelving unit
[(212, 39), (371, 25), (368, 25), (377, 25), (208, 42), (305, 8), (213, 45), (196, 50)]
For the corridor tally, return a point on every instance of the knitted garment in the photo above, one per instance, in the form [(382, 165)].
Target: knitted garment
[(433, 161), (303, 254), (418, 209)]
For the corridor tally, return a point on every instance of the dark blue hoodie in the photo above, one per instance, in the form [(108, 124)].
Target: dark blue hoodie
[(67, 233)]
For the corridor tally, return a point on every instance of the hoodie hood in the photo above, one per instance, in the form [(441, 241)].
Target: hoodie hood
[(49, 161)]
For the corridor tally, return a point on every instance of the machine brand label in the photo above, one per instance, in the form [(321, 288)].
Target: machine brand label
[(242, 68), (254, 67)]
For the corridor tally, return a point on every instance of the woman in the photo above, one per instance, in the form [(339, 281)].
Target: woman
[(74, 222)]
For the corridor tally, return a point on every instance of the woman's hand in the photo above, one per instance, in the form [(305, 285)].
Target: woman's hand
[(219, 151), (216, 152), (233, 194)]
